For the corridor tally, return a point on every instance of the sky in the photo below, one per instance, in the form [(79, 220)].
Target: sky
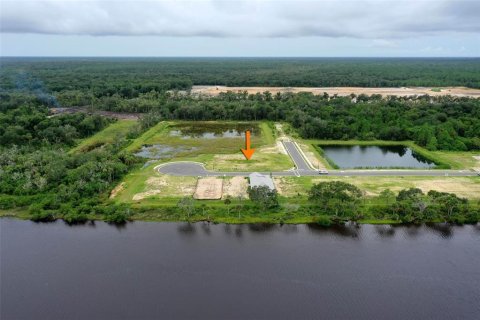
[(354, 28)]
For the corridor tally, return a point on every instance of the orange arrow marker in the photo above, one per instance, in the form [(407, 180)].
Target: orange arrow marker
[(247, 152)]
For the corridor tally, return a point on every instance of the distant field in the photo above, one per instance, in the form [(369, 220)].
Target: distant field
[(118, 129), (344, 91)]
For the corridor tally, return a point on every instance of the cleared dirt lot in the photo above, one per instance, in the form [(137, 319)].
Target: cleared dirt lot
[(209, 189), (166, 186), (345, 91), (236, 187)]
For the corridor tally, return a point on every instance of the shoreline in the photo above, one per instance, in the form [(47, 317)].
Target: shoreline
[(23, 215)]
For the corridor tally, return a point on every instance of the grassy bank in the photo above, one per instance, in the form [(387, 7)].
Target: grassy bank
[(116, 131)]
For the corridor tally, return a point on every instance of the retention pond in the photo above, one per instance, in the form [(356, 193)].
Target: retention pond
[(348, 157)]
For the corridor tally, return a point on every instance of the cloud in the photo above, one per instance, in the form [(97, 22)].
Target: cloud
[(382, 43), (384, 20)]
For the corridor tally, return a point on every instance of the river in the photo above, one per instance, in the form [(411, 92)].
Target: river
[(148, 270)]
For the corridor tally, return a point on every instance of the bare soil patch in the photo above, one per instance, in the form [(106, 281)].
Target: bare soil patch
[(166, 186), (209, 189), (117, 190), (235, 187), (465, 189), (312, 157), (344, 91)]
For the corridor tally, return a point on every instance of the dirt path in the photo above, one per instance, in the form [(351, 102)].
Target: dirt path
[(345, 91)]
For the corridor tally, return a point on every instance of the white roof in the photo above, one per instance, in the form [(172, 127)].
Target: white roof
[(259, 180)]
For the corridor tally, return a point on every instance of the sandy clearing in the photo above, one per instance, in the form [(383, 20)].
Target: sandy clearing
[(343, 91), (146, 194), (235, 187), (312, 157), (165, 185), (209, 189), (465, 189), (117, 190)]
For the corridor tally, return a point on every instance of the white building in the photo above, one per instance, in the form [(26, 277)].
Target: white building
[(259, 180)]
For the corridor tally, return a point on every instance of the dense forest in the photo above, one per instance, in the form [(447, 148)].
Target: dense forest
[(37, 170), (129, 77)]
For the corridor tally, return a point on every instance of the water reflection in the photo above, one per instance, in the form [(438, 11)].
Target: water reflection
[(239, 231), (385, 231), (262, 227), (412, 231), (186, 228), (445, 230), (206, 228), (348, 230), (289, 228)]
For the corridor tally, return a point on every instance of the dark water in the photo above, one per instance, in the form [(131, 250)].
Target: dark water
[(213, 130), (208, 135), (375, 156), (161, 151), (178, 271)]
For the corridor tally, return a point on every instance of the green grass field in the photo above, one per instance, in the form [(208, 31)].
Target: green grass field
[(108, 135), (219, 154)]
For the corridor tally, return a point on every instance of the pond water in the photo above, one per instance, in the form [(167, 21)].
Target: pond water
[(212, 131), (161, 151), (375, 157), (177, 271)]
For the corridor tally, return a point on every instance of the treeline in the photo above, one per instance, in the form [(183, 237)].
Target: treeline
[(338, 201), (130, 77), (437, 123), (329, 203)]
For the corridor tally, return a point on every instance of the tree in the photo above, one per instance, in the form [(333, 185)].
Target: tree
[(186, 204), (387, 195), (338, 190), (409, 194), (264, 197), (227, 202), (337, 196)]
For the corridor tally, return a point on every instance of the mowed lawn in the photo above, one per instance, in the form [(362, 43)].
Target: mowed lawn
[(117, 129)]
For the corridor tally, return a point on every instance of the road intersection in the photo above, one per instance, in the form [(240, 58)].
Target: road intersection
[(303, 168)]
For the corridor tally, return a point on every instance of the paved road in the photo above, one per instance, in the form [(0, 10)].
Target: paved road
[(303, 169), (297, 157), (197, 169)]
